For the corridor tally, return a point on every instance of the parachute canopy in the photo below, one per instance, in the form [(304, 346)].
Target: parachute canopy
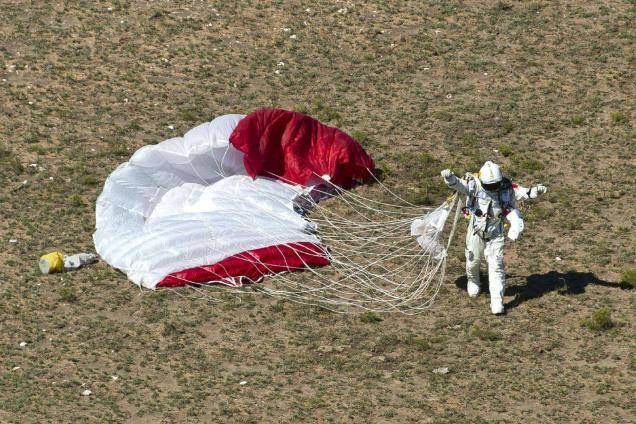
[(220, 203)]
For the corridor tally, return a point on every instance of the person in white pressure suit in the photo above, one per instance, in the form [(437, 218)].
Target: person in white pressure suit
[(491, 197)]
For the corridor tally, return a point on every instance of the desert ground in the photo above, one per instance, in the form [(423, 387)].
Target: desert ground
[(545, 88)]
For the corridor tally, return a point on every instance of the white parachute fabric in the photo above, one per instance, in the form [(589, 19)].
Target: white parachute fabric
[(186, 202)]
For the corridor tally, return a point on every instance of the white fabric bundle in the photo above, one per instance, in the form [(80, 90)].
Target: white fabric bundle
[(516, 224), (187, 202), (429, 229)]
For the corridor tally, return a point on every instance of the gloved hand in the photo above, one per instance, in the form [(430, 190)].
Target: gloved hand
[(537, 190), (447, 174)]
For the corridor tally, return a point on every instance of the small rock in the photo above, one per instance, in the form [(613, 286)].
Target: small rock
[(23, 344), (171, 127), (443, 370), (558, 259), (15, 368), (87, 392), (243, 383)]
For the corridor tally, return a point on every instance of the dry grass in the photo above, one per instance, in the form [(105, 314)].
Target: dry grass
[(423, 85)]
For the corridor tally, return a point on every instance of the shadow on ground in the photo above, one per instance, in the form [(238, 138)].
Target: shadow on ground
[(568, 283)]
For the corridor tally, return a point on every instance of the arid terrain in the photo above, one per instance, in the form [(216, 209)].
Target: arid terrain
[(545, 88)]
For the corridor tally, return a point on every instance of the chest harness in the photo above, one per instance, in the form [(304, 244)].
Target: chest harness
[(484, 220)]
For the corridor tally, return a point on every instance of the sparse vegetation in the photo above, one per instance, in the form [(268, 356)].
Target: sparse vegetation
[(423, 85), (484, 333), (601, 320), (628, 279), (76, 200), (370, 318), (360, 137), (506, 150), (507, 127), (618, 118), (501, 6), (529, 165), (577, 120), (67, 294)]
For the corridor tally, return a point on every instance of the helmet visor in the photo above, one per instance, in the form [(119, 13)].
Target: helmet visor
[(492, 187)]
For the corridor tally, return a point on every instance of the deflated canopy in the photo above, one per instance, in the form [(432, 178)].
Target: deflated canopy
[(196, 209)]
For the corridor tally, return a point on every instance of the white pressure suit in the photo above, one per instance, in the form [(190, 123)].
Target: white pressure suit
[(485, 236)]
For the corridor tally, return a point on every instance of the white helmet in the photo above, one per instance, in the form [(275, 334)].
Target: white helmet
[(490, 173)]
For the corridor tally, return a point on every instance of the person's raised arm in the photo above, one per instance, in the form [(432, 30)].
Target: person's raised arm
[(522, 193), (454, 182)]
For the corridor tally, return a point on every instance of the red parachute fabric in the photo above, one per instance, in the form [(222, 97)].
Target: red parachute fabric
[(252, 265), (297, 148)]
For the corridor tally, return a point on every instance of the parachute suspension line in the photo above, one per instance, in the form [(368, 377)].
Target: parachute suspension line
[(377, 264), (345, 300)]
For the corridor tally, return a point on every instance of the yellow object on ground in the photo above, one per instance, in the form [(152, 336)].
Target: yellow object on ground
[(52, 262)]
